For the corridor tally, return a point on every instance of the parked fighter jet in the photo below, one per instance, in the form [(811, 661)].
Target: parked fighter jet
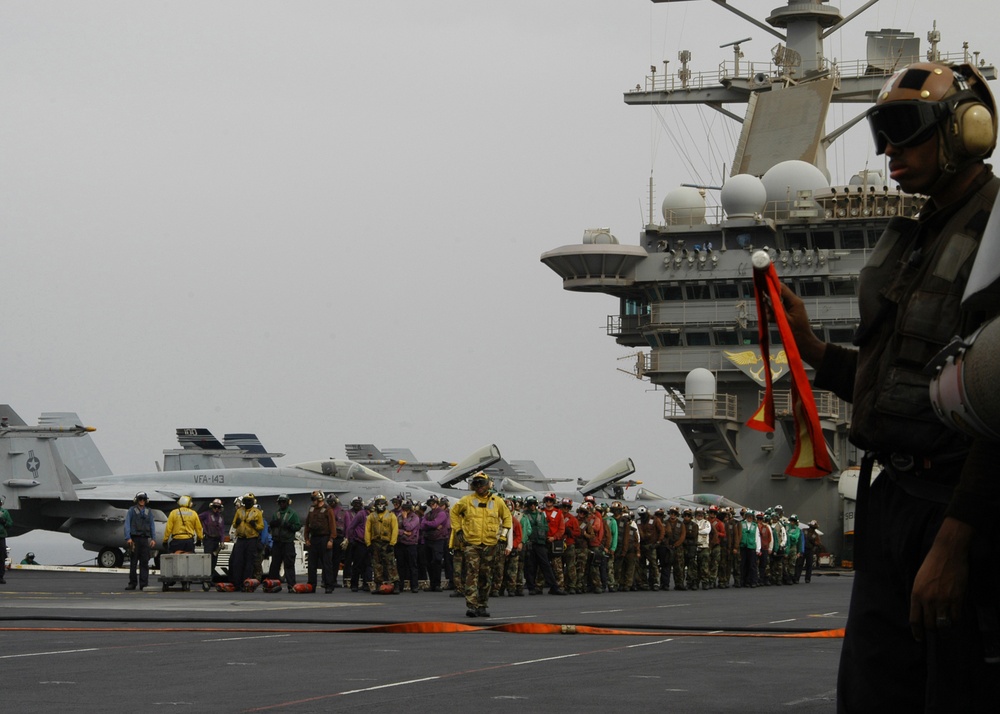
[(49, 488)]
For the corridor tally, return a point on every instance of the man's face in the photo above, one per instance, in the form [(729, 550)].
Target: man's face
[(914, 168)]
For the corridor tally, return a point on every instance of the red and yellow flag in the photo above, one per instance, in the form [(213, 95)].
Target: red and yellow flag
[(810, 458)]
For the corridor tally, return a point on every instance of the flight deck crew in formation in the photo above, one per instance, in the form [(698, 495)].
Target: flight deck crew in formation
[(6, 524), (285, 525), (213, 528), (321, 535), (140, 539), (248, 524), (381, 534), (479, 521)]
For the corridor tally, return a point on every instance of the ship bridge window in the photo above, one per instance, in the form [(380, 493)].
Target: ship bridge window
[(796, 240), (852, 239), (631, 308), (700, 291), (823, 240), (842, 335), (726, 337), (746, 289), (671, 292), (697, 339), (775, 337), (749, 337), (811, 288), (844, 287), (727, 291), (669, 339)]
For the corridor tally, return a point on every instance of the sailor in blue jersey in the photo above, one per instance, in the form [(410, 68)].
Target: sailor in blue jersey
[(140, 538)]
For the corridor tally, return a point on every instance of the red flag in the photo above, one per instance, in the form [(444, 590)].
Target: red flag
[(810, 458)]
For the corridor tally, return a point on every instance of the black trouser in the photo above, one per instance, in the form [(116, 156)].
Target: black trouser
[(212, 545), (434, 555), (321, 556), (749, 566), (283, 554), (406, 564), (537, 558), (241, 562), (357, 553), (882, 667), (139, 559), (182, 545)]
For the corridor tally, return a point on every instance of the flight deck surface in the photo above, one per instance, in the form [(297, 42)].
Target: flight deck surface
[(80, 641)]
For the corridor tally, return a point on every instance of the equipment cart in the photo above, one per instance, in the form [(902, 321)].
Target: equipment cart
[(186, 568)]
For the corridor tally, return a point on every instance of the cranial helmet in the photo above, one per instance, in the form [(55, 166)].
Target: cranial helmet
[(141, 496), (925, 97), (248, 500), (184, 502)]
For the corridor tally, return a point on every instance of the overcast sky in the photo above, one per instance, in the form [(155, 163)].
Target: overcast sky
[(322, 221)]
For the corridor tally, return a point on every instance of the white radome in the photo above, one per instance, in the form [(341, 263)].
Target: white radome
[(743, 196)]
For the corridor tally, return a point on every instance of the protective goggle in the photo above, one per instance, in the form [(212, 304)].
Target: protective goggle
[(906, 123)]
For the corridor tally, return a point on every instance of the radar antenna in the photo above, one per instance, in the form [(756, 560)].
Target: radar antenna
[(737, 55)]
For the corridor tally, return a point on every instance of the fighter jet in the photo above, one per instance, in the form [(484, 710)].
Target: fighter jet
[(68, 490)]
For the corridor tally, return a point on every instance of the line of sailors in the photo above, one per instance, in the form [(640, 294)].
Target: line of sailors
[(595, 547), (607, 548)]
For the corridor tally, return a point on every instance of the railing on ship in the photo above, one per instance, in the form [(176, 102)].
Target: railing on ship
[(716, 407), (845, 204), (721, 406), (762, 74)]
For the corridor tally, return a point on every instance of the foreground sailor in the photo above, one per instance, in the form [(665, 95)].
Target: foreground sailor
[(140, 539), (320, 535), (478, 522), (248, 524), (183, 530), (924, 606), (285, 525)]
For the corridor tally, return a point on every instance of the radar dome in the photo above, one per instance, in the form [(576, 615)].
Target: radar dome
[(699, 392), (783, 181), (743, 195), (684, 206)]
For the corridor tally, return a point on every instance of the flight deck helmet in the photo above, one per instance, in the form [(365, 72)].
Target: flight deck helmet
[(927, 97), (479, 479), (381, 503), (141, 496), (184, 502), (248, 500)]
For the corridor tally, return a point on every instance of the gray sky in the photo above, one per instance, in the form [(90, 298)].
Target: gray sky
[(321, 221)]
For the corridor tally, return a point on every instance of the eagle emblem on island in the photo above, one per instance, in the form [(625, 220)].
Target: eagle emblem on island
[(752, 364)]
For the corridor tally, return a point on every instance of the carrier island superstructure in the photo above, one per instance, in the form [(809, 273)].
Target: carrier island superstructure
[(685, 297)]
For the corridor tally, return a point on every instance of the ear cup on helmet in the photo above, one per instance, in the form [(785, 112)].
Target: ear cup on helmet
[(973, 130)]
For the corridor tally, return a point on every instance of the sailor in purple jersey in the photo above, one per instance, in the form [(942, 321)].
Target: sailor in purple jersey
[(436, 529)]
